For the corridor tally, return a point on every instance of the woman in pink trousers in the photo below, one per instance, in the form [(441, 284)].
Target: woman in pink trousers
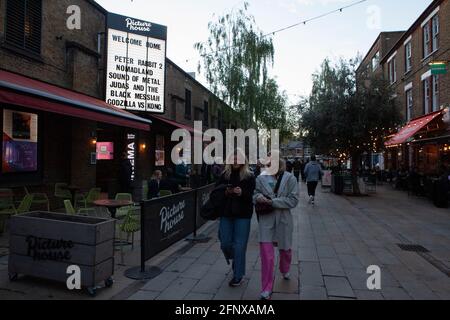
[(276, 227)]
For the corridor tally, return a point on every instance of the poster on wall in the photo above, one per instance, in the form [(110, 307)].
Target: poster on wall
[(159, 151), (20, 139), (136, 64), (105, 150)]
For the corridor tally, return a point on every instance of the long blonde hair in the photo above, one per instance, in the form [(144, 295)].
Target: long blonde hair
[(244, 171)]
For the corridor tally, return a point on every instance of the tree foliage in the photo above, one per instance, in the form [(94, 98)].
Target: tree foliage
[(236, 60), (343, 119)]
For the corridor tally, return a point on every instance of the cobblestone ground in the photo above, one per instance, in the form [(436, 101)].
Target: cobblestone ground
[(334, 243)]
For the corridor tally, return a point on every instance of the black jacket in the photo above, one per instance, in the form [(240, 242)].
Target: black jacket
[(153, 189), (238, 207)]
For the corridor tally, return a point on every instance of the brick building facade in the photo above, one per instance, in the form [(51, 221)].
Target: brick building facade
[(55, 59), (420, 94)]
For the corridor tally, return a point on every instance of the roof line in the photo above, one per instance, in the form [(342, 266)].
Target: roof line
[(434, 4)]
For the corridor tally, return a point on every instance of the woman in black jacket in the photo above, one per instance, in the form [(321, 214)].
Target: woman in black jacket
[(234, 229)]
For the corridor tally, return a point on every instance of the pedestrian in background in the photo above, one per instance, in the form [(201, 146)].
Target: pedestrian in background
[(276, 227), (234, 228), (153, 184), (313, 174)]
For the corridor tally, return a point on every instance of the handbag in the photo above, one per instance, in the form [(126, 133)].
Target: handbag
[(265, 208)]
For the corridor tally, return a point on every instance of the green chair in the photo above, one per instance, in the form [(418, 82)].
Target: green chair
[(39, 198), (129, 226), (122, 212), (7, 200), (165, 193), (89, 212), (24, 206), (69, 207), (124, 196), (62, 192), (87, 201)]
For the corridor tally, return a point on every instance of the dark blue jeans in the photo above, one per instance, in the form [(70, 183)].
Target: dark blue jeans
[(233, 235)]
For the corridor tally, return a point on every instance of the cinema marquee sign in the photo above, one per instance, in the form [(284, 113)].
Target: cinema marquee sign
[(136, 65)]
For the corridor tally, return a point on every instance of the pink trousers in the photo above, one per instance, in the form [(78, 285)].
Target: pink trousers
[(267, 264)]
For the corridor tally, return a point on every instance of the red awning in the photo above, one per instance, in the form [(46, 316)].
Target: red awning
[(174, 123), (22, 91), (412, 128)]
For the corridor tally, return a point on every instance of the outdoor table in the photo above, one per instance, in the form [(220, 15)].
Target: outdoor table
[(185, 189), (112, 205)]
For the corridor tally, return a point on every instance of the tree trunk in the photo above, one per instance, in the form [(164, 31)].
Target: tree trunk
[(355, 169)]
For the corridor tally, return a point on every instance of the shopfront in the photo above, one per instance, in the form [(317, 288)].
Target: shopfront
[(50, 135), (423, 144)]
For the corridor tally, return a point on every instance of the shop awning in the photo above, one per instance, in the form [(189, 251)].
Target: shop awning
[(412, 128), (22, 91), (173, 123)]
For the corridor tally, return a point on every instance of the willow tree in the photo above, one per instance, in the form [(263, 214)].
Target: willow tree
[(343, 120), (236, 58)]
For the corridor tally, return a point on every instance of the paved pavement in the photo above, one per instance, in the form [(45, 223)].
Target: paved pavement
[(334, 243)]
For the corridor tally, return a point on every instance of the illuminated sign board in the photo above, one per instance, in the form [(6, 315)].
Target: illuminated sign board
[(135, 77)]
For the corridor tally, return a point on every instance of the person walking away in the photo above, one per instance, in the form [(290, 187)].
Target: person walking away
[(313, 174), (277, 226), (153, 184), (297, 169), (234, 228), (125, 172)]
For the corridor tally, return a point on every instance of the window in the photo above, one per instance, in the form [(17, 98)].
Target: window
[(408, 57), (392, 71), (409, 104), (435, 32), (376, 61), (206, 113), (431, 36), (23, 25), (426, 95), (188, 104), (435, 92), (426, 40)]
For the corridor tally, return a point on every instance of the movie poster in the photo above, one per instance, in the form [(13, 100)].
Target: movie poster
[(20, 139)]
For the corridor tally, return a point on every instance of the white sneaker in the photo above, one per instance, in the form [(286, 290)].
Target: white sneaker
[(311, 199), (266, 295), (287, 276)]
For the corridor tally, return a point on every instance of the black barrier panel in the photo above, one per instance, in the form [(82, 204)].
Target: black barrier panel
[(165, 221), (202, 198)]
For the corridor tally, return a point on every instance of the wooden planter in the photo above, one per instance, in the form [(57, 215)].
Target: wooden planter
[(44, 245)]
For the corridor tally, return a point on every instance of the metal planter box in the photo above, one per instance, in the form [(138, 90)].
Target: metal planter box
[(44, 245)]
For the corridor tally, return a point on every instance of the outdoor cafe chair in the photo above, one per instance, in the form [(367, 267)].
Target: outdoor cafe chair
[(124, 196), (39, 198), (87, 200), (24, 206), (89, 212), (7, 200), (165, 193), (62, 192), (129, 226), (69, 207)]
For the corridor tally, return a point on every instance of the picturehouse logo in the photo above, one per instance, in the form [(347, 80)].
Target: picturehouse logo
[(136, 25)]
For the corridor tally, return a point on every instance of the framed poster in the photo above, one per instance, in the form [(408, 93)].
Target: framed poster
[(20, 142), (105, 150), (159, 151)]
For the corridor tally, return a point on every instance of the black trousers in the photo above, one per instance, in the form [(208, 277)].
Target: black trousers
[(312, 185)]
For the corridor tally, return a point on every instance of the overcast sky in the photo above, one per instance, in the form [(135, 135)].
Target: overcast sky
[(298, 51)]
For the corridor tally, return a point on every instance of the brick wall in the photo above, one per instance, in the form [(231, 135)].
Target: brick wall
[(58, 62), (420, 65)]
